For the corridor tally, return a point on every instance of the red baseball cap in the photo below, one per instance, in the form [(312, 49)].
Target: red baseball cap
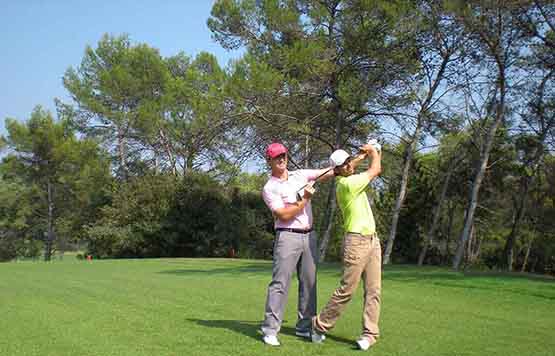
[(275, 149)]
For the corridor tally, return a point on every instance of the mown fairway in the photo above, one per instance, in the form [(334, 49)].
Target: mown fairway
[(213, 307)]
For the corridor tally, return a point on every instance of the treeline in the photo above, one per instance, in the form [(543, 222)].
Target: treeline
[(145, 161)]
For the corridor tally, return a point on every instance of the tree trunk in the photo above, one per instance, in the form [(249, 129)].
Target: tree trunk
[(306, 152), (526, 180), (328, 221), (189, 162), (169, 153), (477, 248), (469, 245), (332, 202), (479, 177), (409, 153), (50, 224), (122, 152), (156, 163), (520, 201), (428, 238), (533, 267), (449, 230), (426, 105), (474, 245), (520, 208), (333, 86), (469, 218), (526, 256)]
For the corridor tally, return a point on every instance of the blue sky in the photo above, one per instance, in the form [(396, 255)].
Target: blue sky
[(39, 40)]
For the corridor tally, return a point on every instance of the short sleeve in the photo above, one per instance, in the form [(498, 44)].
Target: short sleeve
[(311, 174), (357, 183), (272, 199)]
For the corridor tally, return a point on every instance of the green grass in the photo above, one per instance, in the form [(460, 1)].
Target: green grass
[(214, 307)]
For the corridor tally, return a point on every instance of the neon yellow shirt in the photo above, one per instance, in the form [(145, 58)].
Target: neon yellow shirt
[(353, 202)]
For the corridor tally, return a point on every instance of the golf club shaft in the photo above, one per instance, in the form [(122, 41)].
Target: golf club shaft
[(315, 180)]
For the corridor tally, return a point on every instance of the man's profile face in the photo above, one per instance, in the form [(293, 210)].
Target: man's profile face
[(346, 169), (279, 162)]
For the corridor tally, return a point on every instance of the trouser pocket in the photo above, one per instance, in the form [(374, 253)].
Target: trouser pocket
[(353, 247)]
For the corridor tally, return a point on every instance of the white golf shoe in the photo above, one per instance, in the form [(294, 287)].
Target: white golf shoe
[(316, 337), (307, 334), (364, 343), (271, 340)]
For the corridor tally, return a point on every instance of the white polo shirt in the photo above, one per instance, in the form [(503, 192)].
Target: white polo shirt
[(278, 193)]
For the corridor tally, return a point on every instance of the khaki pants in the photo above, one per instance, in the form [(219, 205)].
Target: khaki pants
[(362, 258)]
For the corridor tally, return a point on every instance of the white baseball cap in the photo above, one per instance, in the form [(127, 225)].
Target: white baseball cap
[(338, 157)]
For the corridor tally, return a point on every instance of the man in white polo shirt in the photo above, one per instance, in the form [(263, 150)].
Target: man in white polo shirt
[(295, 244)]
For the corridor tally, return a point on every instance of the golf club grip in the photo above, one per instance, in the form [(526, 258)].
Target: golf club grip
[(315, 181)]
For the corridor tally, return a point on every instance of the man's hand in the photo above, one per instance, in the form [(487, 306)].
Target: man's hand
[(290, 211), (375, 167), (309, 190), (376, 145), (369, 149)]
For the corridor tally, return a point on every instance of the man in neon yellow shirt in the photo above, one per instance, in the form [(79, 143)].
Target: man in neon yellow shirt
[(361, 246)]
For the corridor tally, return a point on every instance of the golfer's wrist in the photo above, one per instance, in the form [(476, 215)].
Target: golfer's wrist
[(359, 158)]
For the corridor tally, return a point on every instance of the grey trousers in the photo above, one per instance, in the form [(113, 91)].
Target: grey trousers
[(292, 251)]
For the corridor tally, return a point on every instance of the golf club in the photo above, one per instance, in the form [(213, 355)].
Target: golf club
[(374, 142), (300, 190)]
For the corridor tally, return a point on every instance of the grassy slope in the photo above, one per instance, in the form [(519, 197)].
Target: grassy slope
[(213, 307)]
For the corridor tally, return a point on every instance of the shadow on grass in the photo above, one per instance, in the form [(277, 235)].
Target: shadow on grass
[(246, 327), (542, 285), (328, 268), (231, 270), (251, 329)]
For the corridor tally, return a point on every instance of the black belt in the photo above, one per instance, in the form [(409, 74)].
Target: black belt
[(374, 235), (298, 231)]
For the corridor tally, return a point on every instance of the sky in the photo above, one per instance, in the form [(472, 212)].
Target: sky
[(40, 40)]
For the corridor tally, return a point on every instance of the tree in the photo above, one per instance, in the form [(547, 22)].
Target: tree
[(440, 42), (163, 113), (452, 159), (538, 117), (491, 23), (116, 88), (327, 70), (199, 128), (59, 170), (15, 212)]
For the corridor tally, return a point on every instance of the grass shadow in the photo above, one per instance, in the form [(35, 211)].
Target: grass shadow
[(248, 328), (540, 286), (251, 329), (287, 330), (231, 270)]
